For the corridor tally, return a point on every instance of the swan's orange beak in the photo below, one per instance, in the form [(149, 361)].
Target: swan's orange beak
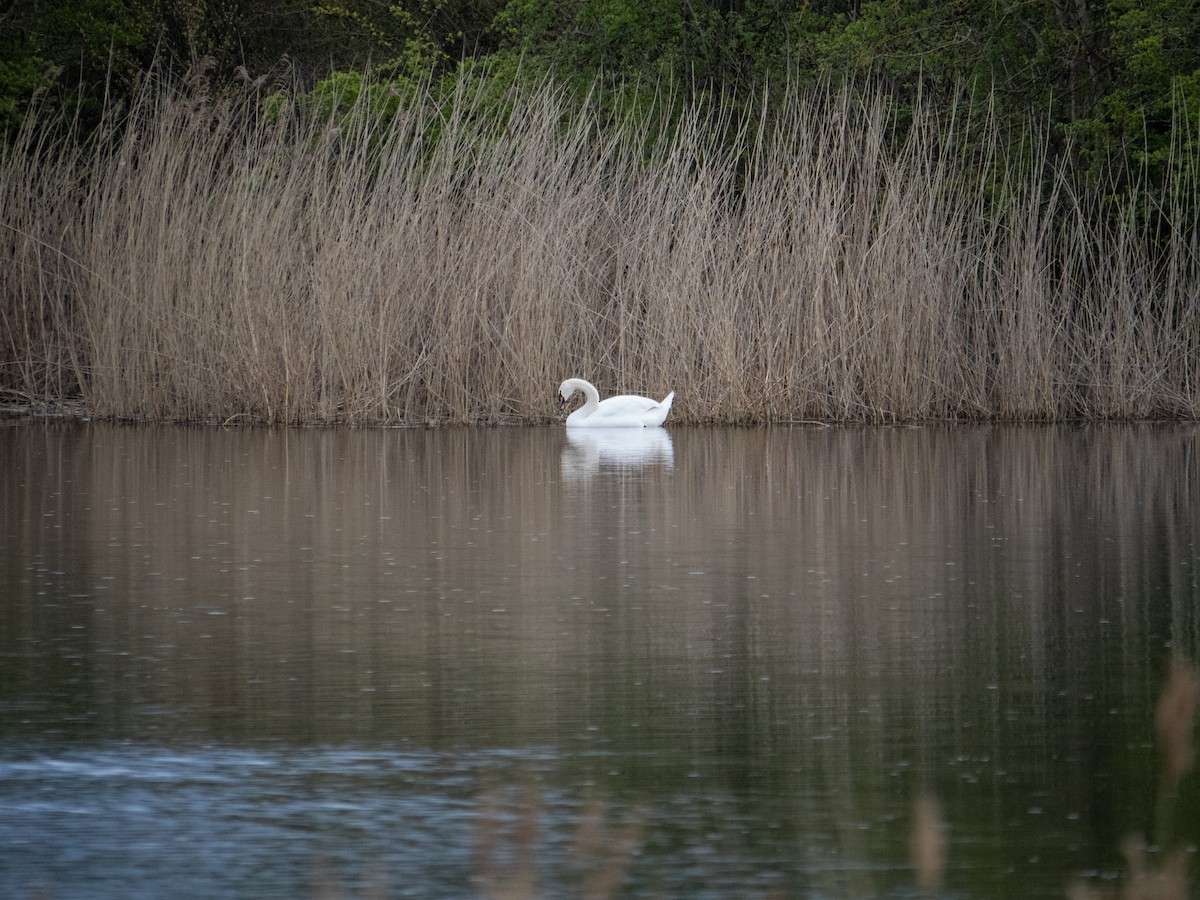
[(562, 401)]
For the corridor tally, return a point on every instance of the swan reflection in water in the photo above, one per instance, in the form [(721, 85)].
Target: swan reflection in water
[(588, 450)]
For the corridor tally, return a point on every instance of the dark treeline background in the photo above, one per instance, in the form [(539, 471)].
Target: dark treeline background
[(1112, 77)]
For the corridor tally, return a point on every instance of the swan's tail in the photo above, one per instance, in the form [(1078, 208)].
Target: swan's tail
[(659, 412)]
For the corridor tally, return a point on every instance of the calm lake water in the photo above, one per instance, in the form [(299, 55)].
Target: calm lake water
[(708, 662)]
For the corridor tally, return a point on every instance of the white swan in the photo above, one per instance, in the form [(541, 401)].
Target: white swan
[(626, 411)]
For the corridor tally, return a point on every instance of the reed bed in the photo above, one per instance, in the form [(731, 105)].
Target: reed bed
[(203, 261)]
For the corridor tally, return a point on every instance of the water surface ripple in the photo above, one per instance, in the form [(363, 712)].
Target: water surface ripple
[(281, 662)]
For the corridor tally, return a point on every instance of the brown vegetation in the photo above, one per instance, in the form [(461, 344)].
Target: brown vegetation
[(208, 262), (600, 857), (1161, 872), (927, 846)]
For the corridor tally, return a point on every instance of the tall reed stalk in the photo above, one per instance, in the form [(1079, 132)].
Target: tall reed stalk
[(204, 261)]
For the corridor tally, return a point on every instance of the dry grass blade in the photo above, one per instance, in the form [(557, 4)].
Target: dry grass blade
[(602, 858), (1160, 872), (1175, 721), (928, 844)]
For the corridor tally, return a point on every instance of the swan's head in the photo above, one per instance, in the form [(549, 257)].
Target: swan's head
[(566, 391)]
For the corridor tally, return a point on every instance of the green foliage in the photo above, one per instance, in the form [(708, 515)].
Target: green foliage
[(1155, 73), (392, 37), (408, 38), (1112, 77), (22, 77), (341, 92), (92, 51), (619, 40), (73, 53)]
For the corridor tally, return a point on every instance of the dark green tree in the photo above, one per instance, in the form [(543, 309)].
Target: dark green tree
[(72, 53)]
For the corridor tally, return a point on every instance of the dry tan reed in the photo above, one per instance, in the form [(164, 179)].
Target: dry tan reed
[(928, 844), (1174, 721), (207, 262), (1161, 872), (601, 857)]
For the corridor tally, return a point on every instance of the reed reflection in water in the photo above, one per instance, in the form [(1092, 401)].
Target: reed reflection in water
[(770, 641)]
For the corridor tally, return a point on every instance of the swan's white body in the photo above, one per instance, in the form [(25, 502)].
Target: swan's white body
[(625, 411)]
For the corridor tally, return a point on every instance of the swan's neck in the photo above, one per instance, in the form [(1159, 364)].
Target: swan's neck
[(591, 394), (591, 399)]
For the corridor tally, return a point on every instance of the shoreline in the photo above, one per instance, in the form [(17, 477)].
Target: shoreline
[(75, 411)]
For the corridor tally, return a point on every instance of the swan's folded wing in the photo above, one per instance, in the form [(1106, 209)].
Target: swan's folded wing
[(624, 406)]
